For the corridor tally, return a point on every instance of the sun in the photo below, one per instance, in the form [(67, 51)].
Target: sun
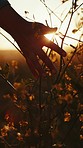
[(50, 36)]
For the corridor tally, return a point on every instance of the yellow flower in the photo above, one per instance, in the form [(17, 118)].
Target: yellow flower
[(19, 136), (67, 117), (31, 97), (81, 118)]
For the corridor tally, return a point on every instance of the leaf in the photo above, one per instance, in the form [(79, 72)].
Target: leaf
[(26, 12), (74, 30), (63, 1)]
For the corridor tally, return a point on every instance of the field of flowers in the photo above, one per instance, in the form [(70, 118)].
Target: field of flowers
[(41, 113)]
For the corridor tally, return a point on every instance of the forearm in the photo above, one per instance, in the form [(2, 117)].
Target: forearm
[(3, 3), (10, 19), (4, 6)]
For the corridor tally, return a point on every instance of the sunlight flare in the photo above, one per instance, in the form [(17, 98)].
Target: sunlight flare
[(50, 36)]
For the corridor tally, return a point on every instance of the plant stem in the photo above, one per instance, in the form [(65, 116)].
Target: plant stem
[(61, 59), (67, 64)]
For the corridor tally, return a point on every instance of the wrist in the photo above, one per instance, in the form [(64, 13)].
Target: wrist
[(10, 20)]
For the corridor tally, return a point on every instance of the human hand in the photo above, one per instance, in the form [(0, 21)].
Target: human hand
[(31, 39)]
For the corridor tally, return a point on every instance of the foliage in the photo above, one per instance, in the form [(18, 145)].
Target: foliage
[(46, 112)]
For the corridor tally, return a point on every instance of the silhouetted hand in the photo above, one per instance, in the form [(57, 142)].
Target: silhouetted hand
[(31, 40)]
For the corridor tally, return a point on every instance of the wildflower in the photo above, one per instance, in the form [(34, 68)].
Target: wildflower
[(67, 117)]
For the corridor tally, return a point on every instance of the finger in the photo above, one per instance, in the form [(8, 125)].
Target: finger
[(32, 68), (32, 60), (53, 46), (35, 64), (45, 59)]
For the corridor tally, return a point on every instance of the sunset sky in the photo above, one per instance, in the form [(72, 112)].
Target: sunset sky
[(37, 11)]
